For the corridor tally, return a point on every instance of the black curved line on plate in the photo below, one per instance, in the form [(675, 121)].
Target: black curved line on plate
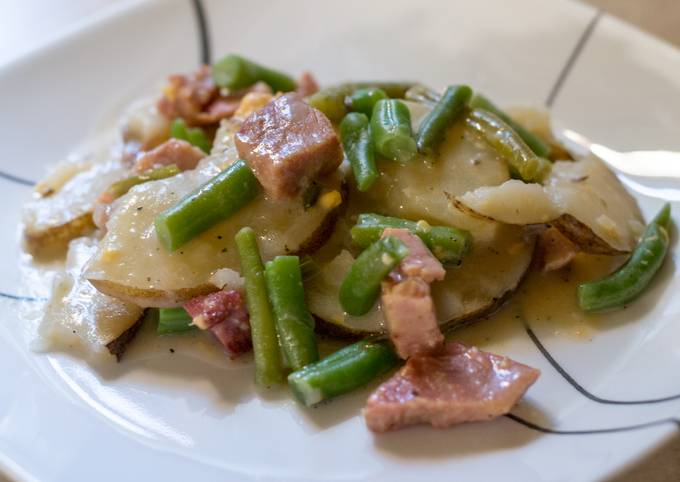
[(203, 32), (598, 431), (573, 57), (16, 179), (544, 351), (10, 296)]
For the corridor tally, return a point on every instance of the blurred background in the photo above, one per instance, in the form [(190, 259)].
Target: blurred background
[(28, 24)]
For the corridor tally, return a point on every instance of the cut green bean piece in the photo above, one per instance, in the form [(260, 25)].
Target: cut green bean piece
[(343, 371), (442, 116), (363, 100), (268, 367), (193, 135), (394, 90), (391, 130), (361, 286), (522, 161), (173, 320), (629, 281), (448, 244), (119, 188), (357, 143), (294, 323), (214, 201), (330, 101), (235, 72), (535, 143)]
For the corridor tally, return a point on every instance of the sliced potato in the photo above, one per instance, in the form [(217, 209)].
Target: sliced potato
[(488, 274), (51, 222), (583, 199), (494, 268), (132, 265), (77, 316)]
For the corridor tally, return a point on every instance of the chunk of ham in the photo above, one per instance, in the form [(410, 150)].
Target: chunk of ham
[(288, 144), (407, 303), (307, 84), (196, 98), (554, 250), (224, 313), (410, 317), (420, 261), (173, 151), (462, 384)]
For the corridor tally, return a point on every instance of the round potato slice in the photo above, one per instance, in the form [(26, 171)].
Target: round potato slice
[(65, 210), (77, 317), (499, 258), (583, 199), (132, 265)]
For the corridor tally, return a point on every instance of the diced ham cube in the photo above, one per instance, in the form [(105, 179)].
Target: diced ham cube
[(196, 99), (410, 317), (173, 151), (406, 299), (224, 313), (420, 262), (307, 84), (288, 144), (463, 384)]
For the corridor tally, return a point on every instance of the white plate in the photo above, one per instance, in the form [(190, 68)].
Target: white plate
[(174, 418)]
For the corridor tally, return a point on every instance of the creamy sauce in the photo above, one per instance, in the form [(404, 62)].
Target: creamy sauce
[(547, 302)]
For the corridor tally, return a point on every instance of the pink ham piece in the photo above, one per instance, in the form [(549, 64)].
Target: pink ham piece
[(463, 384), (196, 98), (224, 313), (406, 299), (410, 317), (173, 151), (307, 84), (187, 96), (288, 144), (420, 262)]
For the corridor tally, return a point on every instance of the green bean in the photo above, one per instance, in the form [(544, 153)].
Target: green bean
[(361, 285), (119, 188), (217, 199), (193, 135), (629, 281), (356, 140), (363, 100), (311, 195), (268, 368), (330, 101), (448, 244), (343, 371), (535, 143), (234, 72), (173, 320), (394, 90), (434, 126), (294, 323), (391, 130), (522, 161)]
